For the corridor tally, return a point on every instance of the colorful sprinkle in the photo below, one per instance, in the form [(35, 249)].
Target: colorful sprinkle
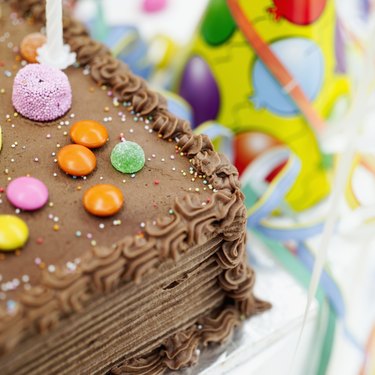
[(128, 157), (27, 193), (40, 240)]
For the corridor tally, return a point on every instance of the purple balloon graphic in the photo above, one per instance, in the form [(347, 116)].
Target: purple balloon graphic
[(199, 88)]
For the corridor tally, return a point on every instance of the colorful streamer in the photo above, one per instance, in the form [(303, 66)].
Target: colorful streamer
[(261, 205), (368, 367)]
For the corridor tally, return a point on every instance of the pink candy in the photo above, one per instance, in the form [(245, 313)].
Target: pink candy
[(41, 92), (27, 193)]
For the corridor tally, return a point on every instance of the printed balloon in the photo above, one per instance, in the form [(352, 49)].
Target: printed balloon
[(304, 61), (199, 88), (218, 24), (299, 12), (248, 146)]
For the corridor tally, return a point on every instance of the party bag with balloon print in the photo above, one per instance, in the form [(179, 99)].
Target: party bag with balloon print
[(272, 72)]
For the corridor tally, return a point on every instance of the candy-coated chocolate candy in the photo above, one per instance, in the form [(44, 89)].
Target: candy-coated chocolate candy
[(89, 133), (29, 46), (76, 160), (13, 232), (103, 200), (128, 157), (27, 193)]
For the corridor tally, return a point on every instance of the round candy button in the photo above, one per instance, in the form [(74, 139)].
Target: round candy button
[(76, 160), (103, 200), (27, 193), (13, 232), (29, 46), (128, 157), (89, 133)]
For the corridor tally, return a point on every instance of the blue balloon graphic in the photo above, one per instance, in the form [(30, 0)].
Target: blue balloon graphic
[(130, 48), (178, 106), (304, 61)]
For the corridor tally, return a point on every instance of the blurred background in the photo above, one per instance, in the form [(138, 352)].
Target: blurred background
[(286, 89)]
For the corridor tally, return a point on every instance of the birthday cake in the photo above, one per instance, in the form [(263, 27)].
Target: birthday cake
[(122, 234)]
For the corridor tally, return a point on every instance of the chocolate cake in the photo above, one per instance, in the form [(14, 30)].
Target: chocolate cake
[(141, 291)]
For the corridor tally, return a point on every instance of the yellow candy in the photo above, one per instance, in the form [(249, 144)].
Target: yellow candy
[(13, 232)]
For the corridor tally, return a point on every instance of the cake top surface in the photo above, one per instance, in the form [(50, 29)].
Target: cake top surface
[(62, 231), (184, 195)]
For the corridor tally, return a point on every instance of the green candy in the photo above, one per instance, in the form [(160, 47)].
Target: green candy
[(128, 157)]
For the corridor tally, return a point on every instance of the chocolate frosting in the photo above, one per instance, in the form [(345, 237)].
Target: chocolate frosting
[(102, 269), (182, 349)]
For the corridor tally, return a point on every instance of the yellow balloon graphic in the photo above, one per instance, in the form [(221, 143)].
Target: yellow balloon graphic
[(251, 98)]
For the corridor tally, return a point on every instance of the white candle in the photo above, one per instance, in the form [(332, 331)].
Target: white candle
[(55, 52), (54, 27)]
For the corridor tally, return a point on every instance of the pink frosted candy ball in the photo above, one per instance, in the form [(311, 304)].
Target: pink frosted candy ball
[(41, 92), (27, 193)]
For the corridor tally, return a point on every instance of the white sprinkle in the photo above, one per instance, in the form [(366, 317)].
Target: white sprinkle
[(71, 266), (51, 268), (25, 278)]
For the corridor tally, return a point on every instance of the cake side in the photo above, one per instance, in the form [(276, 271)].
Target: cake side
[(129, 322), (103, 269)]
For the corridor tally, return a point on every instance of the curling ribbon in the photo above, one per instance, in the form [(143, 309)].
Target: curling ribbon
[(326, 324), (368, 367), (260, 206), (353, 127)]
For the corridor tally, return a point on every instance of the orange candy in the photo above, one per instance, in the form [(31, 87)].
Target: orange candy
[(103, 200), (29, 45), (76, 160), (89, 133)]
